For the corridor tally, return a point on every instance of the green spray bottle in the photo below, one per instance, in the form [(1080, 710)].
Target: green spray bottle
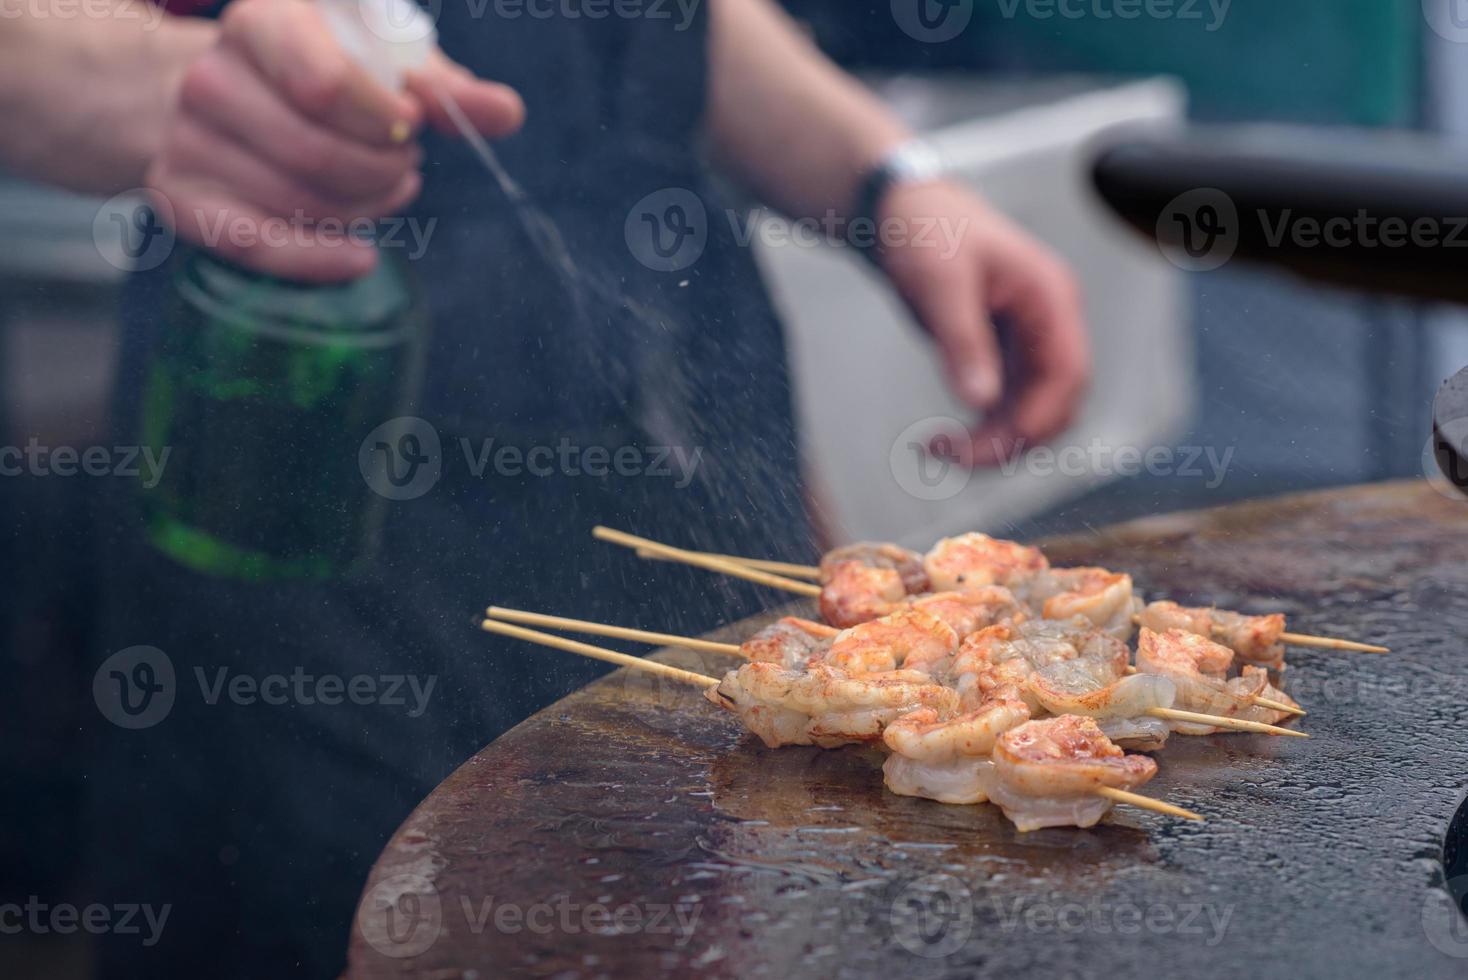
[(263, 389)]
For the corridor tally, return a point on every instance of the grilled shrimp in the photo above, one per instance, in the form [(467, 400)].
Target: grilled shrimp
[(791, 643), (947, 759), (907, 638), (855, 593), (1197, 667), (1003, 655), (1046, 772), (1255, 639), (824, 705), (971, 561), (907, 564), (1105, 598), (1118, 702), (968, 612), (863, 581)]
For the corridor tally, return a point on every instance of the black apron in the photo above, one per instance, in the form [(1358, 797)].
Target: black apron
[(257, 822)]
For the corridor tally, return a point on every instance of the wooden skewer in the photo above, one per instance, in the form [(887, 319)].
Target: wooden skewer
[(598, 653), (760, 564), (1330, 643), (616, 632), (1273, 705), (706, 561), (1219, 721), (1146, 803)]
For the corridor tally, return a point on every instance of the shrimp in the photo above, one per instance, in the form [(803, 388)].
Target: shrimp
[(947, 759), (1255, 639), (1197, 667), (969, 612), (974, 560), (1105, 598), (1119, 703), (1046, 773), (890, 642), (824, 705), (907, 564), (856, 592), (791, 642), (863, 581), (1003, 655)]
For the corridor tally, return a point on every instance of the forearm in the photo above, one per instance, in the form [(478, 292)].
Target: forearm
[(84, 96), (788, 122)]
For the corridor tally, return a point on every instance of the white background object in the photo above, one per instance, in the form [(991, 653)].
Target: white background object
[(865, 373)]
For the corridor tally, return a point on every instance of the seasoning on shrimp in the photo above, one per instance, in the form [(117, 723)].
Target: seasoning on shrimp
[(1198, 668), (887, 643), (824, 705), (1255, 639), (948, 758), (1046, 773)]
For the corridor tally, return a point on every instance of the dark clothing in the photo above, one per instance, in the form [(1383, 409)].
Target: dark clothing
[(258, 823)]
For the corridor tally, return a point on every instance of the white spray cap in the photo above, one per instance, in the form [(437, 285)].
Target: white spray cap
[(386, 37)]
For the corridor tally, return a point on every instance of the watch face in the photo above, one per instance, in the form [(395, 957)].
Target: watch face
[(915, 160)]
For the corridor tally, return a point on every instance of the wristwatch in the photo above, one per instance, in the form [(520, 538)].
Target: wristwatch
[(915, 161)]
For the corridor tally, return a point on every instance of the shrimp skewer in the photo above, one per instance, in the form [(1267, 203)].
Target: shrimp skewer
[(823, 707), (1057, 773), (1198, 668), (954, 563)]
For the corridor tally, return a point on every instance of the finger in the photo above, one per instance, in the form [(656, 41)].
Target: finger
[(196, 148), (991, 444), (208, 216), (225, 91), (493, 109), (1048, 330), (290, 44), (952, 308)]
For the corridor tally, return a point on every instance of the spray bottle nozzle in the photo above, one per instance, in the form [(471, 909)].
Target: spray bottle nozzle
[(387, 38)]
